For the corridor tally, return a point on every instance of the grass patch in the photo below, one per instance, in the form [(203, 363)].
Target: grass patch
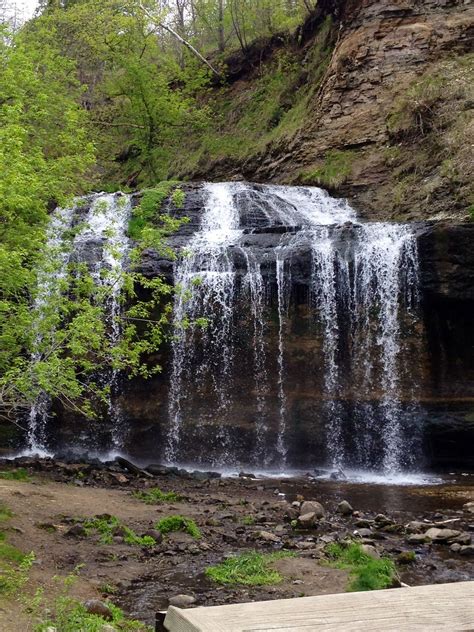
[(5, 512), (178, 523), (109, 526), (333, 172), (154, 496), (367, 573), (248, 569), (248, 520), (16, 475)]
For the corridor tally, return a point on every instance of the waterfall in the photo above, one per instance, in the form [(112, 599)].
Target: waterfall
[(363, 283), (100, 224)]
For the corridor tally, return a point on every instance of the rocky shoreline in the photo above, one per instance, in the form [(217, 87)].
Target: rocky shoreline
[(426, 531)]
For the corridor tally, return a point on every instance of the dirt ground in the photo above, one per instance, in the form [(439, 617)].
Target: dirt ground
[(233, 515)]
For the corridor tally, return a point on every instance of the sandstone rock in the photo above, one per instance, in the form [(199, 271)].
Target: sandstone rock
[(345, 508), (371, 551), (455, 548), (363, 533), (267, 536), (307, 520), (108, 628), (464, 538), (364, 523), (441, 535), (312, 506), (94, 606), (469, 507), (182, 601)]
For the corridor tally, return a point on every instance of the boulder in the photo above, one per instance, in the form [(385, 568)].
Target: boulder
[(312, 506), (76, 531), (417, 538), (441, 535), (155, 534), (345, 508), (469, 507), (416, 526)]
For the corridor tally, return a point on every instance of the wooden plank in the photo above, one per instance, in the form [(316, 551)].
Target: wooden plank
[(447, 607)]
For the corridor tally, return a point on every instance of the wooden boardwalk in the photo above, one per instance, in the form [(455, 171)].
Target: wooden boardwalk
[(446, 607)]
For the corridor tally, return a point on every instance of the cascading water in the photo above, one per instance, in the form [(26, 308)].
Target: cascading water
[(363, 283), (100, 223)]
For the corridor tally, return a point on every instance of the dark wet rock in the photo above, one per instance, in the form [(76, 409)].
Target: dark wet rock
[(155, 534), (182, 601), (76, 531), (345, 508), (131, 467), (467, 550), (246, 475), (94, 606), (381, 520), (338, 475), (363, 523), (418, 538)]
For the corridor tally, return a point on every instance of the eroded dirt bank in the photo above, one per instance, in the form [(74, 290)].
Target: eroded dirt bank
[(233, 515)]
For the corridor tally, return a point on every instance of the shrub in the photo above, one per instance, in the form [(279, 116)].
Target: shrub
[(16, 475), (178, 523)]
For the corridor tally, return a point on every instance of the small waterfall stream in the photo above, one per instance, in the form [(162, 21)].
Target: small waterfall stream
[(99, 223)]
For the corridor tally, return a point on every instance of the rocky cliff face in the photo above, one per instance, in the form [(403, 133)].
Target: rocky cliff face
[(386, 113)]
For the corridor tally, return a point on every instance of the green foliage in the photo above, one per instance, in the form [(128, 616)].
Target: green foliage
[(109, 526), (248, 569), (413, 114), (154, 496), (178, 523), (12, 577), (147, 224), (335, 170), (66, 614), (16, 475), (470, 212), (368, 573), (248, 520)]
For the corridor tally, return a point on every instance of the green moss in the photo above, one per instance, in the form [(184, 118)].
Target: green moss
[(154, 496), (333, 172), (248, 569), (367, 573), (178, 523), (5, 512), (470, 212)]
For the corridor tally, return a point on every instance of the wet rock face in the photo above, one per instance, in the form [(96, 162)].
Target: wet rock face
[(444, 360)]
